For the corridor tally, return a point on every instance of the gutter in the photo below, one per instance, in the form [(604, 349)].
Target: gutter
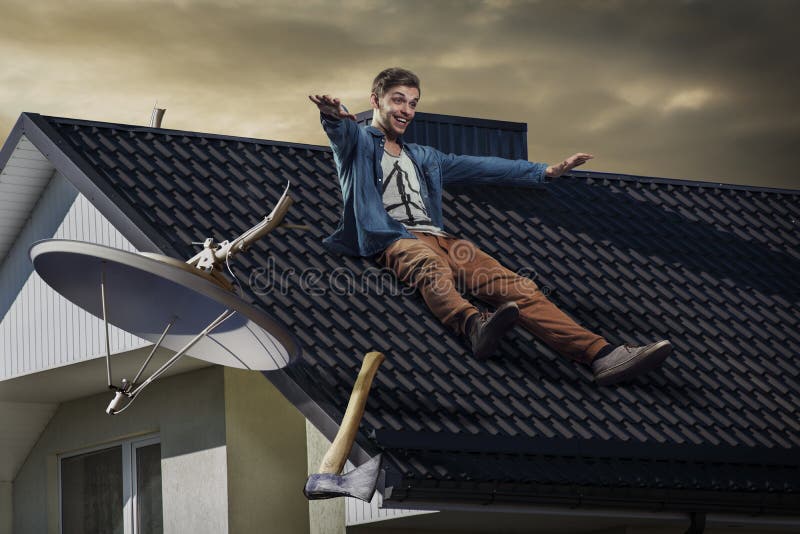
[(789, 523), (695, 522), (496, 496)]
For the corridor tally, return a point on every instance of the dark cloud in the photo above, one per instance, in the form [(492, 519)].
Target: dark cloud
[(700, 90)]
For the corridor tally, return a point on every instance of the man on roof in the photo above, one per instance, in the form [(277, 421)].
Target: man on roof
[(392, 195)]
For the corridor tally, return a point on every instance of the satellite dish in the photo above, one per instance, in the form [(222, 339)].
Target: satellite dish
[(184, 307)]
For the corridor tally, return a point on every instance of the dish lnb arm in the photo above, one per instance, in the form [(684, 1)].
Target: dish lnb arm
[(216, 253), (270, 222)]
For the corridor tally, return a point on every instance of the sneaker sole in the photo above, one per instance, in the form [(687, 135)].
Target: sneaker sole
[(501, 323), (639, 364)]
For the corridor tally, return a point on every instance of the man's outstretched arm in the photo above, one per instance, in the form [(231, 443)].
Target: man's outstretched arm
[(338, 123), (331, 107), (490, 170), (575, 160)]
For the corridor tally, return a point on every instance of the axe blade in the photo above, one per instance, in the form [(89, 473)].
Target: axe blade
[(359, 483)]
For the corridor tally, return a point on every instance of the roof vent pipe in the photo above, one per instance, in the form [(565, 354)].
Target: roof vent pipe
[(156, 116)]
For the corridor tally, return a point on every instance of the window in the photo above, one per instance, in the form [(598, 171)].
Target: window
[(148, 516), (113, 489)]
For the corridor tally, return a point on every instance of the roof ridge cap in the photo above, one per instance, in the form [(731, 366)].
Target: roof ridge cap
[(187, 133)]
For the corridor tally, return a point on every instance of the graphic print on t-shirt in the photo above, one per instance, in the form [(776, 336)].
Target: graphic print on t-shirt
[(405, 191)]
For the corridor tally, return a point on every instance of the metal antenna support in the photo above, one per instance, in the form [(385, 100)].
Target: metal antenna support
[(105, 323), (152, 352), (131, 391)]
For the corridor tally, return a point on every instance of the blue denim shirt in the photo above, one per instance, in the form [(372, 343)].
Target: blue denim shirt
[(365, 228)]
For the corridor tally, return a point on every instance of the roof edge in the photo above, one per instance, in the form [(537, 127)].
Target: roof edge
[(597, 175), (187, 133)]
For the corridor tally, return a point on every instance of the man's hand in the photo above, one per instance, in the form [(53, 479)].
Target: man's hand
[(332, 107), (554, 171)]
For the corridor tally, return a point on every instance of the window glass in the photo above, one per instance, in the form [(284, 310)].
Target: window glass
[(149, 516), (91, 493)]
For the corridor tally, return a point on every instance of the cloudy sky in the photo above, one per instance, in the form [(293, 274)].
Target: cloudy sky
[(702, 90)]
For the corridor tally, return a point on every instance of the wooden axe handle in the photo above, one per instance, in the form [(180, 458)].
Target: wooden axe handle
[(335, 458)]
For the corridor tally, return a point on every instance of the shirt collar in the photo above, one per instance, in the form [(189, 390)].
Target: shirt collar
[(378, 133)]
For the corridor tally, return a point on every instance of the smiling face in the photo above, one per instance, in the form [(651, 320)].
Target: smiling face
[(394, 111)]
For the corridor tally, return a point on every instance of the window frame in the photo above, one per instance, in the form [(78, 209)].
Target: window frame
[(129, 482), (133, 502)]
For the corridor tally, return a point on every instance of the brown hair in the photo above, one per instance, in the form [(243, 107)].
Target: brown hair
[(393, 77)]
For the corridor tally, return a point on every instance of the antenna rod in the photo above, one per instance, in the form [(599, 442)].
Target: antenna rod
[(212, 325), (105, 322), (153, 351), (116, 402)]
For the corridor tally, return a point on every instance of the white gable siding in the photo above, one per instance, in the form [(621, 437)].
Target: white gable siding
[(39, 329), (359, 512), (22, 179)]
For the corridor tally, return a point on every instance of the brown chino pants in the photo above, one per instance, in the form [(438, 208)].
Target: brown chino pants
[(440, 266)]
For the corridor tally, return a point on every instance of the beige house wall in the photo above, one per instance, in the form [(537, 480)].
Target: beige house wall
[(187, 411), (266, 457), (327, 516), (6, 507)]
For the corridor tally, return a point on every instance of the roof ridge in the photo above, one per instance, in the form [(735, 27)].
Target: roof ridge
[(460, 120), (187, 133), (575, 174)]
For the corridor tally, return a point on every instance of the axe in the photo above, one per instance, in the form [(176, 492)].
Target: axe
[(360, 482)]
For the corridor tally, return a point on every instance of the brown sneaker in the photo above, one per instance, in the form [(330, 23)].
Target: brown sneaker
[(486, 329)]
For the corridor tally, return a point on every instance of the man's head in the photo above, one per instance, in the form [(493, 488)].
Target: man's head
[(394, 97)]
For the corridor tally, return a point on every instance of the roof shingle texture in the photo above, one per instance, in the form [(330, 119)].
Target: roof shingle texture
[(714, 269)]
